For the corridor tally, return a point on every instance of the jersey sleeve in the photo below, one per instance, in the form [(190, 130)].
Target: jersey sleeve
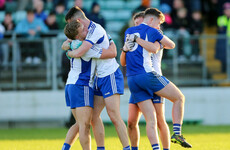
[(94, 34), (154, 35), (94, 52)]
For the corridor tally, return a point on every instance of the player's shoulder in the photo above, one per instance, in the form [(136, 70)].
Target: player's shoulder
[(151, 29)]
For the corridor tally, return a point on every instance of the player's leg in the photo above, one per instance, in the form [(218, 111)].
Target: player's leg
[(71, 135), (133, 127), (161, 122), (77, 97), (84, 117), (171, 92), (149, 113), (97, 124), (111, 87), (112, 104)]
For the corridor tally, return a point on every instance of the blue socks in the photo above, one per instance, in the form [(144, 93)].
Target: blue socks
[(134, 148), (177, 129), (165, 149), (101, 148), (126, 148), (66, 146), (156, 147)]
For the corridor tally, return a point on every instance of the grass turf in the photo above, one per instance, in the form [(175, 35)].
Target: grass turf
[(201, 137)]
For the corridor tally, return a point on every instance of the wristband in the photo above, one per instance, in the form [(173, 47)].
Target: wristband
[(124, 50), (67, 54), (161, 46)]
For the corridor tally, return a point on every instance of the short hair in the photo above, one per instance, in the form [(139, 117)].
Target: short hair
[(74, 12), (155, 12), (71, 29), (139, 14)]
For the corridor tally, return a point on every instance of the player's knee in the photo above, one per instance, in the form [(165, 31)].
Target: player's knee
[(132, 124), (161, 123), (152, 124), (87, 126), (182, 98)]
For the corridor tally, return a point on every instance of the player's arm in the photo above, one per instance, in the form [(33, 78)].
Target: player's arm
[(123, 58), (66, 45), (111, 52), (167, 43), (149, 46), (76, 53)]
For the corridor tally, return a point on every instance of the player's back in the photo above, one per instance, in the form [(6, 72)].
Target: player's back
[(82, 69), (156, 61), (138, 60), (97, 37)]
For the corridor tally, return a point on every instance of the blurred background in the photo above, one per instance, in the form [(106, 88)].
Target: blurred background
[(33, 68)]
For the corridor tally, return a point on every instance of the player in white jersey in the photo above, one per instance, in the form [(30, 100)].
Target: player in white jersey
[(109, 82), (177, 99), (79, 92)]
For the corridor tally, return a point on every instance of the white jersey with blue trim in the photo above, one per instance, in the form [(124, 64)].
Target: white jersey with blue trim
[(138, 60), (156, 61), (97, 37), (82, 70)]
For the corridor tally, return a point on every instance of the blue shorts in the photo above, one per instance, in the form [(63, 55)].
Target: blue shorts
[(109, 85), (143, 86), (156, 99), (78, 96)]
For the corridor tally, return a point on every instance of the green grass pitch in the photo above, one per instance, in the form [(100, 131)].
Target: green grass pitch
[(201, 138)]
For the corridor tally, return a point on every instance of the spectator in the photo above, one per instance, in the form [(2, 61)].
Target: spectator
[(196, 28), (2, 30), (57, 2), (144, 4), (31, 27), (51, 21), (95, 15), (2, 4), (8, 22), (212, 9), (60, 15), (9, 26), (177, 4), (79, 3), (166, 10), (181, 24), (167, 26), (39, 12), (223, 28)]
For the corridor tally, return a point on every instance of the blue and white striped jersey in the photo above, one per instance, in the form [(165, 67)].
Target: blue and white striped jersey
[(82, 70), (138, 60), (97, 37)]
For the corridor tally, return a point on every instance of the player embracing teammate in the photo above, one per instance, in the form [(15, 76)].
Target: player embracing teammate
[(142, 54), (93, 61)]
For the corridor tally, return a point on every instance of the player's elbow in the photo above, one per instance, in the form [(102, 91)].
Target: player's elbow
[(172, 45), (123, 63)]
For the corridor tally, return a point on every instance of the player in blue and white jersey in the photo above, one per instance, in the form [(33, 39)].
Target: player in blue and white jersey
[(158, 102), (177, 97), (79, 89), (109, 83)]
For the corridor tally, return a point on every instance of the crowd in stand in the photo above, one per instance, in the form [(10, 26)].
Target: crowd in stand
[(183, 19), (41, 18)]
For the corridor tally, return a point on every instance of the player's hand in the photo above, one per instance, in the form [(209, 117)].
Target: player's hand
[(110, 39), (128, 46), (66, 45), (131, 37)]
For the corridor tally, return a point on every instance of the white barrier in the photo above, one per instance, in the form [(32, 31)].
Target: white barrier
[(209, 105)]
